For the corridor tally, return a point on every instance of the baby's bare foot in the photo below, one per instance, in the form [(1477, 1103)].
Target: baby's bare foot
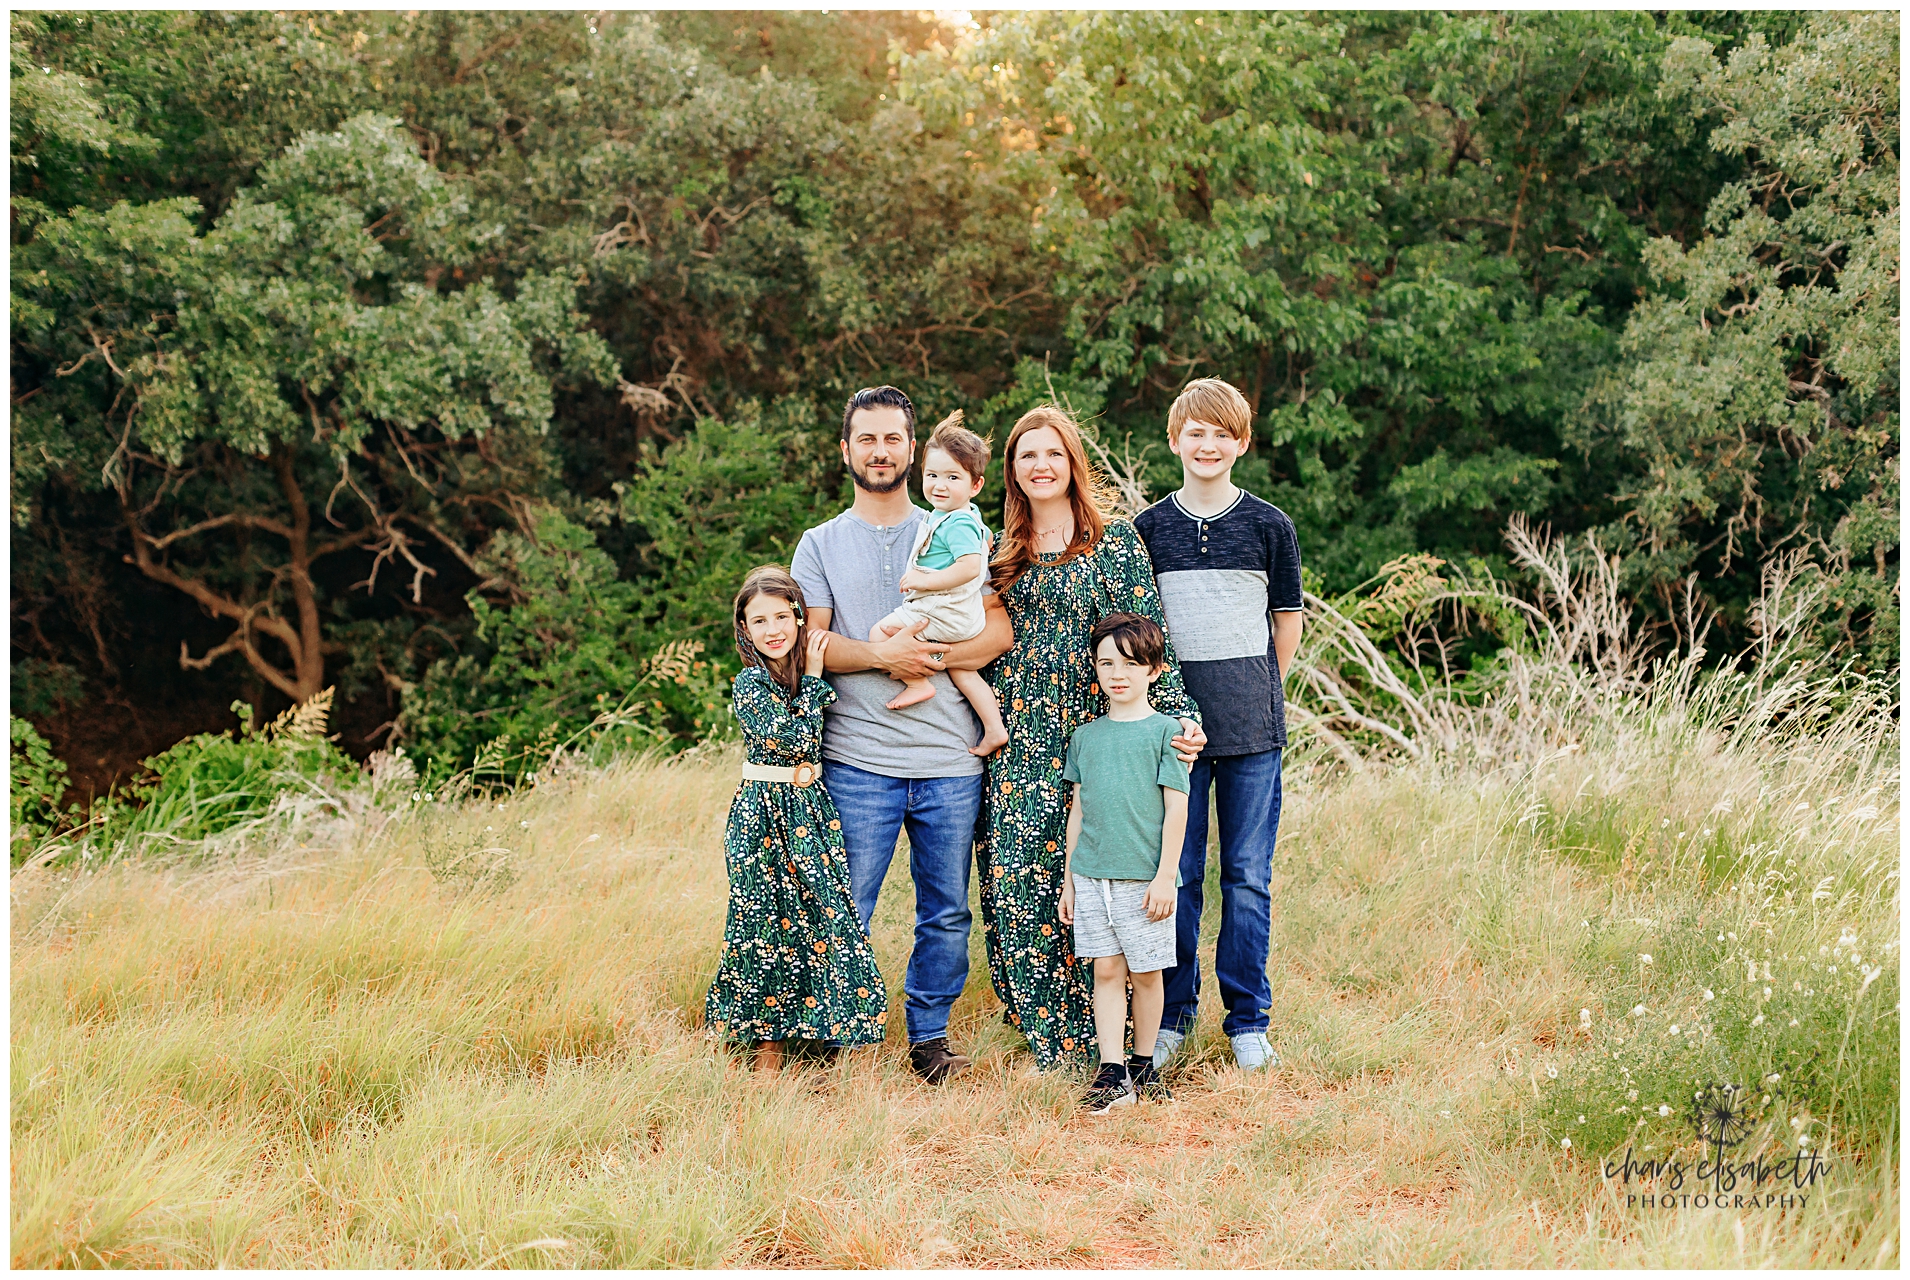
[(993, 740), (914, 692)]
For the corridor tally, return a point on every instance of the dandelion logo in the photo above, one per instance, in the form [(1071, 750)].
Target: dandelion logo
[(1722, 1116)]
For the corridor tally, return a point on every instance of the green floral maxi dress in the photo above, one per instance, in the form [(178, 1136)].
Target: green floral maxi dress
[(1047, 690), (796, 962)]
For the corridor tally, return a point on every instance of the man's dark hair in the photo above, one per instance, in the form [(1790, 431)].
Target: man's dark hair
[(878, 398), (1136, 638)]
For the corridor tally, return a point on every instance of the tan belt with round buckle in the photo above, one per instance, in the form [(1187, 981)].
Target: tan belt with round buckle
[(800, 775)]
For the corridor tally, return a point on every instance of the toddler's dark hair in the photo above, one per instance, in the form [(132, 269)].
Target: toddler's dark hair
[(1136, 638), (958, 442)]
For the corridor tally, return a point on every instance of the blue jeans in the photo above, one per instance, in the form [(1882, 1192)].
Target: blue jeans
[(1247, 794), (940, 814)]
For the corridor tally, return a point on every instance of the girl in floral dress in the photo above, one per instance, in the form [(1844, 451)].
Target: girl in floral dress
[(1062, 566), (796, 961)]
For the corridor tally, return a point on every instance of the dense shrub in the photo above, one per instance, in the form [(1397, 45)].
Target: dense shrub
[(561, 662), (36, 779), (215, 783)]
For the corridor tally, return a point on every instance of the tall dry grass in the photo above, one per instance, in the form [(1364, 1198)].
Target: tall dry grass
[(319, 1052), (466, 1032)]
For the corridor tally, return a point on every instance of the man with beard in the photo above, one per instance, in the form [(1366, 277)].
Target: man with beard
[(909, 767)]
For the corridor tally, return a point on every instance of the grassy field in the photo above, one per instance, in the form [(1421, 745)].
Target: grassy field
[(470, 1035)]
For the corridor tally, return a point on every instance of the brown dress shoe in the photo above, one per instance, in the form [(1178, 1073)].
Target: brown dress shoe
[(935, 1062)]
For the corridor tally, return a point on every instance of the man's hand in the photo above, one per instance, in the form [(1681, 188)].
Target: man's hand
[(1067, 901), (1188, 742), (906, 656), (1161, 895)]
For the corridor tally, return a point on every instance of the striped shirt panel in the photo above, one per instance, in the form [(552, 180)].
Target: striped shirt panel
[(1221, 578)]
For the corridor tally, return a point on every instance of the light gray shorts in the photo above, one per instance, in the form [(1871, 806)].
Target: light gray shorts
[(1110, 919)]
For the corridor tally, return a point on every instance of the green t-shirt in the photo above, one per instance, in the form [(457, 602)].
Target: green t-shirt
[(956, 534), (1122, 766)]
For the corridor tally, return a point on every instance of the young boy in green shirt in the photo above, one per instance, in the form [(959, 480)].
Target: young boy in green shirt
[(1121, 876)]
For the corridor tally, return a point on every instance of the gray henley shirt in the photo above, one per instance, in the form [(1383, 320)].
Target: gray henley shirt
[(850, 566)]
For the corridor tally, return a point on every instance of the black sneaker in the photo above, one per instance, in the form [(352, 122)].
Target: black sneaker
[(1109, 1090), (935, 1062), (1145, 1079)]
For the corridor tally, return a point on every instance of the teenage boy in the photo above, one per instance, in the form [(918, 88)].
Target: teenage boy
[(1228, 565), (1124, 840)]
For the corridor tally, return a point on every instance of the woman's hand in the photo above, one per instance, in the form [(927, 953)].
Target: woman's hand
[(819, 641), (1188, 742)]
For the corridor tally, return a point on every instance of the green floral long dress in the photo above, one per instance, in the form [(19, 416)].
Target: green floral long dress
[(796, 962), (1047, 690)]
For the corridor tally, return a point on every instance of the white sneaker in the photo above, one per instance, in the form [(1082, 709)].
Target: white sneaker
[(1254, 1052), (1166, 1045)]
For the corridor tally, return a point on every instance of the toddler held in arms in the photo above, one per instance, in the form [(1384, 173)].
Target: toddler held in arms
[(943, 585)]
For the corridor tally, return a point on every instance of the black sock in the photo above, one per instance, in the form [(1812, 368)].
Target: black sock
[(1138, 1061)]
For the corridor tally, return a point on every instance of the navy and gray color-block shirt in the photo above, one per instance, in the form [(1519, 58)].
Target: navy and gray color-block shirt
[(1221, 578)]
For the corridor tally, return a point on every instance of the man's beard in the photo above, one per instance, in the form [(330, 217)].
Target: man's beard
[(869, 486)]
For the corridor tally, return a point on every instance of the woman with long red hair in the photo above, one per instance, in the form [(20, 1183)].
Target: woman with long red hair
[(1062, 564)]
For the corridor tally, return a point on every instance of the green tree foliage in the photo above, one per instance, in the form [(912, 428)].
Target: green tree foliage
[(1758, 403), (461, 275), (294, 375), (1403, 254)]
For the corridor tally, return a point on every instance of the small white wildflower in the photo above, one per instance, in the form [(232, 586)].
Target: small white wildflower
[(1566, 1143), (1581, 1119), (525, 825), (1797, 1122), (1758, 1021), (1638, 1011), (1774, 1077), (1644, 957), (1793, 1022), (1767, 993), (1551, 1072), (1832, 969), (1823, 951), (1584, 1015), (1720, 937), (1446, 1114), (1631, 1095), (1674, 1028), (1663, 1110), (1732, 936)]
